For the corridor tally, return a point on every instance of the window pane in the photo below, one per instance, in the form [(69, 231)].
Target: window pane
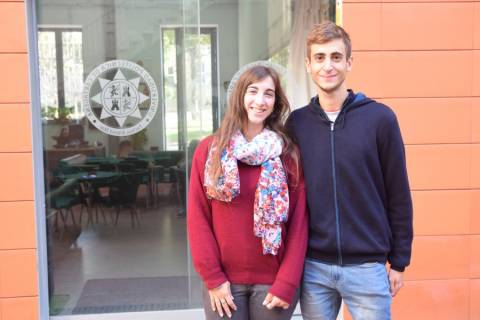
[(170, 88), (48, 74), (198, 61), (73, 72)]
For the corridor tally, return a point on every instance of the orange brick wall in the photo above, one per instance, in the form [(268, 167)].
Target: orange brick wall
[(423, 59), (18, 254)]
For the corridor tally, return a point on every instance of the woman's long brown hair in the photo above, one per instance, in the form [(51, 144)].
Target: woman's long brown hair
[(236, 118)]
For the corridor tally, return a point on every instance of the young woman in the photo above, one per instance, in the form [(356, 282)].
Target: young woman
[(247, 220)]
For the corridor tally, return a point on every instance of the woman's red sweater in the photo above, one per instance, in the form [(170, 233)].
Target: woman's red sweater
[(221, 237)]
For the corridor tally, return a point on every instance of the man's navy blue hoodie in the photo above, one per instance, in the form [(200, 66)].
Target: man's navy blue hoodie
[(357, 186)]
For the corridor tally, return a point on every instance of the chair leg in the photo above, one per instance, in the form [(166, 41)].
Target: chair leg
[(132, 217), (55, 228), (81, 214), (63, 217), (103, 214), (73, 218), (118, 213), (90, 216), (137, 215), (146, 193), (156, 195), (96, 213), (112, 216), (147, 196)]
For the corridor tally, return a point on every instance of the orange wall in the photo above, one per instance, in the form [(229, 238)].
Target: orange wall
[(423, 59), (18, 254)]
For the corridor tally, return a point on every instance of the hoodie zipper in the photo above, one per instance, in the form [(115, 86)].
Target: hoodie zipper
[(337, 219)]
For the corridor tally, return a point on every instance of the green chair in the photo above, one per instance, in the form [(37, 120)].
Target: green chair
[(62, 199), (123, 195), (142, 168)]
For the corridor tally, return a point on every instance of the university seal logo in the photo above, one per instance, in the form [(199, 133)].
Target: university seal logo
[(120, 98)]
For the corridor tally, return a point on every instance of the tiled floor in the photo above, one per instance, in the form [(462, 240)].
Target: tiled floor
[(158, 248)]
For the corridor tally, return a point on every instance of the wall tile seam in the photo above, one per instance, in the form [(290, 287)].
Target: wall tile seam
[(13, 52), (415, 235), (436, 280), (445, 189), (13, 150), (416, 50), (20, 250), (15, 102), (450, 189), (407, 2), (424, 97), (16, 152), (445, 235), (443, 144), (450, 97), (15, 201), (17, 297)]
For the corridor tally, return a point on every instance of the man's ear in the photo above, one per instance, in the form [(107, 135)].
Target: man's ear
[(349, 64)]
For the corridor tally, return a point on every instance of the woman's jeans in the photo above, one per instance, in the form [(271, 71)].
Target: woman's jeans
[(249, 299), (364, 288)]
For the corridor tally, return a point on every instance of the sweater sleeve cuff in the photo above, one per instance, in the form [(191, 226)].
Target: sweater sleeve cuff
[(284, 290), (215, 280), (397, 268)]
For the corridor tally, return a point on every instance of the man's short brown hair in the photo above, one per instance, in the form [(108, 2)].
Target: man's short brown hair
[(325, 32)]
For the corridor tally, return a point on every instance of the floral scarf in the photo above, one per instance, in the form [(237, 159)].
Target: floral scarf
[(271, 196)]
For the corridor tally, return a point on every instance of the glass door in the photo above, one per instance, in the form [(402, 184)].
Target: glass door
[(113, 81)]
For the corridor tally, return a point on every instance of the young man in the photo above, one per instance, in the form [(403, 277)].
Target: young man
[(357, 189)]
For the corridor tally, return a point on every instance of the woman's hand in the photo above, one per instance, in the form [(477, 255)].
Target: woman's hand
[(221, 299), (272, 301)]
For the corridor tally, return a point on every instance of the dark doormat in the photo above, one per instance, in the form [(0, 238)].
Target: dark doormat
[(138, 294), (58, 303)]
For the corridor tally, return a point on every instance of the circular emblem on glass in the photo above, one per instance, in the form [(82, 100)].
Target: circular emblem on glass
[(120, 98)]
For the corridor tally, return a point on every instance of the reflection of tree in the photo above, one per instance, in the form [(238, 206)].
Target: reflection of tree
[(170, 84), (199, 85), (170, 66), (72, 82), (197, 95), (281, 57)]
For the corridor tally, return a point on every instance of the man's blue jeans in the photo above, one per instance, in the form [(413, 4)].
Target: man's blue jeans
[(364, 288)]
